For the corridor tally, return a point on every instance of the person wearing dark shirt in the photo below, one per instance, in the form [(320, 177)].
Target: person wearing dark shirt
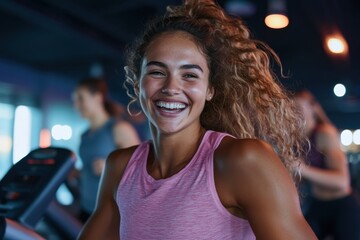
[(330, 206)]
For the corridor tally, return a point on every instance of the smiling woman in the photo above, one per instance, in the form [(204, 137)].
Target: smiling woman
[(174, 74), (216, 166)]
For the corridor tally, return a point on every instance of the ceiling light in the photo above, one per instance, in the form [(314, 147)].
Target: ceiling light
[(335, 44), (276, 17), (339, 90), (346, 137)]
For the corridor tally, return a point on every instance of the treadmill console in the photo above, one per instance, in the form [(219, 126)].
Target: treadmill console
[(29, 186)]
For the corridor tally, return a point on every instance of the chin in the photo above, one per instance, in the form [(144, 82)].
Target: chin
[(167, 130)]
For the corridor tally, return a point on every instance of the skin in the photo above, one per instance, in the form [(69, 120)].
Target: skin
[(90, 106), (333, 181), (251, 181)]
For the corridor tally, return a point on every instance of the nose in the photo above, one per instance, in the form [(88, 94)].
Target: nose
[(171, 86)]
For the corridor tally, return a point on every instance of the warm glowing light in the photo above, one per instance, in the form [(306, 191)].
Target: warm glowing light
[(5, 144), (339, 90), (346, 137), (336, 44), (356, 137), (45, 138), (276, 21), (22, 133)]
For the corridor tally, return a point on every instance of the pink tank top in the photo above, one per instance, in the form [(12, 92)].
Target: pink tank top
[(183, 206)]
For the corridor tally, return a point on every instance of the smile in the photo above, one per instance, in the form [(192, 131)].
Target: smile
[(171, 105)]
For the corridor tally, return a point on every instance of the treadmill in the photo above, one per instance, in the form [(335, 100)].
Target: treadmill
[(28, 188)]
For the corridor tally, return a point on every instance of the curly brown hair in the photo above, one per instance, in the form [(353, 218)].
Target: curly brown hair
[(249, 101)]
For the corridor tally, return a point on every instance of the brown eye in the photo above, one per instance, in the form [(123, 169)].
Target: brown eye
[(156, 73), (190, 75)]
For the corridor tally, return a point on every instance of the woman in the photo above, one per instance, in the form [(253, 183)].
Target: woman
[(106, 133), (205, 88), (330, 208)]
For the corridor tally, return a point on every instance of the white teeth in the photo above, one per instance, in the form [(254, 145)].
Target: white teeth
[(169, 105)]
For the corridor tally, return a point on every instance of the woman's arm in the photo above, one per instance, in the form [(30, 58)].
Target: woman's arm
[(105, 221), (336, 175), (262, 189)]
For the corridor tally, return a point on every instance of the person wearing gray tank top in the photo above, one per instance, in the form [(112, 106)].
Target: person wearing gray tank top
[(104, 134)]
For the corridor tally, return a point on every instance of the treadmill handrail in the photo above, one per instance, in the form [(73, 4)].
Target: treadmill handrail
[(14, 230)]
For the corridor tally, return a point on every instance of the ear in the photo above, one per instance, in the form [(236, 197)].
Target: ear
[(210, 93)]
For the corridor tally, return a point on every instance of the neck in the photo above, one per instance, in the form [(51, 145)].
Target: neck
[(98, 119), (171, 152)]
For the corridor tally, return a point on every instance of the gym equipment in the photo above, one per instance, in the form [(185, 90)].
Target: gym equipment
[(15, 231), (28, 188)]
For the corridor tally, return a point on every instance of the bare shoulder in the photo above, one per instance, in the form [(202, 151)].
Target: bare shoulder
[(327, 129), (327, 137), (124, 127), (119, 158), (246, 153), (254, 164), (253, 183), (125, 134)]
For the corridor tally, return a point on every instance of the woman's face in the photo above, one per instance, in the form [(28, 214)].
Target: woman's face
[(174, 82), (86, 102)]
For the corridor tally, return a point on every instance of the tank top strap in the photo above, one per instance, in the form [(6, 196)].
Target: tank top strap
[(215, 138), (137, 160)]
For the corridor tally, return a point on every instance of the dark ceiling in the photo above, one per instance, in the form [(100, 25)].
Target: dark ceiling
[(68, 37)]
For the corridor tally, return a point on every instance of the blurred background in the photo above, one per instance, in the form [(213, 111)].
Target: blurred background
[(47, 46)]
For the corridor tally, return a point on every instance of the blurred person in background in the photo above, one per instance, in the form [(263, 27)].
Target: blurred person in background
[(107, 131), (329, 206)]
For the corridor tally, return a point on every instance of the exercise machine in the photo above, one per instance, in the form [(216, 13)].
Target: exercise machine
[(29, 187)]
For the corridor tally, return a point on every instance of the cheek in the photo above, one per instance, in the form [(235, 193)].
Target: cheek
[(89, 104), (307, 115), (197, 91), (79, 104), (148, 87), (88, 101)]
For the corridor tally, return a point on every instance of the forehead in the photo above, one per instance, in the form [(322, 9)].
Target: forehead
[(168, 41), (303, 100), (84, 92)]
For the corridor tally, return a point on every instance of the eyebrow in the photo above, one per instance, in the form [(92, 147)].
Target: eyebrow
[(186, 66)]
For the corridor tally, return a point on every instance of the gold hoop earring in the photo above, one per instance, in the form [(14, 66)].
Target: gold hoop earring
[(129, 110)]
